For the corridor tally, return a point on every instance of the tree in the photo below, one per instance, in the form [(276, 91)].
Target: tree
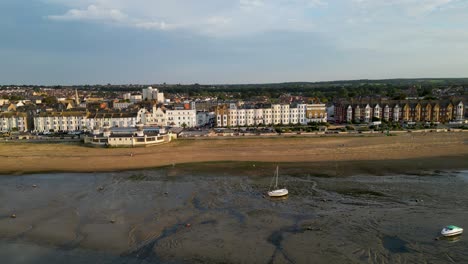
[(50, 100), (343, 93)]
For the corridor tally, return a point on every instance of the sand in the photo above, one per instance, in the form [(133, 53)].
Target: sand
[(451, 148)]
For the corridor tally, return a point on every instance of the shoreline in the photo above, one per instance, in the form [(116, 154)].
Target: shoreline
[(330, 155)]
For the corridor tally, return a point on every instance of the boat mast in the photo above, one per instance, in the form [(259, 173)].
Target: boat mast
[(276, 185)]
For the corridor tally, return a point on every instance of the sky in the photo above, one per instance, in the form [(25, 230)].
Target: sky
[(51, 42)]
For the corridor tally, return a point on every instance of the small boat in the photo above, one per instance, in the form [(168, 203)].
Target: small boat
[(451, 230), (277, 192)]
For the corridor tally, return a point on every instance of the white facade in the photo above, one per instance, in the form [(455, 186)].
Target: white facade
[(147, 93), (4, 101), (459, 111), (181, 118), (59, 122), (377, 111), (152, 94), (157, 117), (121, 105), (9, 122), (81, 121), (276, 114), (113, 121), (349, 113)]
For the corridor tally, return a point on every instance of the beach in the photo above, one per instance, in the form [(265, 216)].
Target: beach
[(409, 151), (351, 200)]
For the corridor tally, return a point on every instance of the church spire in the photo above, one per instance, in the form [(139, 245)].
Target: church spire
[(77, 100)]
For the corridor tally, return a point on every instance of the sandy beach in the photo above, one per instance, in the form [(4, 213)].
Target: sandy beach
[(444, 149)]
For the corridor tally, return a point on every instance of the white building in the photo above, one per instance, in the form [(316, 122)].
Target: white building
[(126, 96), (135, 98), (276, 114), (156, 117), (174, 117), (459, 116), (60, 121), (106, 138), (76, 121), (121, 105), (10, 121), (181, 118), (4, 101), (112, 119), (152, 94)]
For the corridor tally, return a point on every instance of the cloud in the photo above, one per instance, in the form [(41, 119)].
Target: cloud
[(409, 7), (91, 13), (208, 17), (250, 5), (316, 3), (155, 25), (234, 18)]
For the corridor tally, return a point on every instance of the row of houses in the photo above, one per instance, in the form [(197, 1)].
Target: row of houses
[(74, 121), (396, 111), (13, 121), (233, 115)]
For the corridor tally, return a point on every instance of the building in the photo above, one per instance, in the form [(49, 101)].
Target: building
[(205, 118), (181, 118), (135, 98), (78, 121), (113, 119), (156, 117), (139, 138), (121, 105), (60, 121), (13, 121), (275, 114), (152, 94), (442, 111)]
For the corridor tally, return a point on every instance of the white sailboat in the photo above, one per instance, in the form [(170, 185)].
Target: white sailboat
[(451, 230), (277, 192)]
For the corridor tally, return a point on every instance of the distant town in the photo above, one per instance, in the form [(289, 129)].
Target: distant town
[(137, 114)]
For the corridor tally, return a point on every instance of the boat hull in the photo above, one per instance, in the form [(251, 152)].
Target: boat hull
[(278, 193), (448, 233)]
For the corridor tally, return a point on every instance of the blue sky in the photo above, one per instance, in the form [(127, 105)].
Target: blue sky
[(230, 41)]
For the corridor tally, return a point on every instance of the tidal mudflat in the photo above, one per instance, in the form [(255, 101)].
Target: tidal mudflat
[(188, 215)]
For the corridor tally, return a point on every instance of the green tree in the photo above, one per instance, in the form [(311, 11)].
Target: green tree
[(343, 93), (50, 100)]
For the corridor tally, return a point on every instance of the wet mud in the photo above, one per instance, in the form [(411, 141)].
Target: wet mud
[(185, 215)]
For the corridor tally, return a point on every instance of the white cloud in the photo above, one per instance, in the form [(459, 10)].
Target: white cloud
[(249, 17), (91, 13), (409, 7), (209, 17), (155, 25), (316, 3), (250, 5)]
